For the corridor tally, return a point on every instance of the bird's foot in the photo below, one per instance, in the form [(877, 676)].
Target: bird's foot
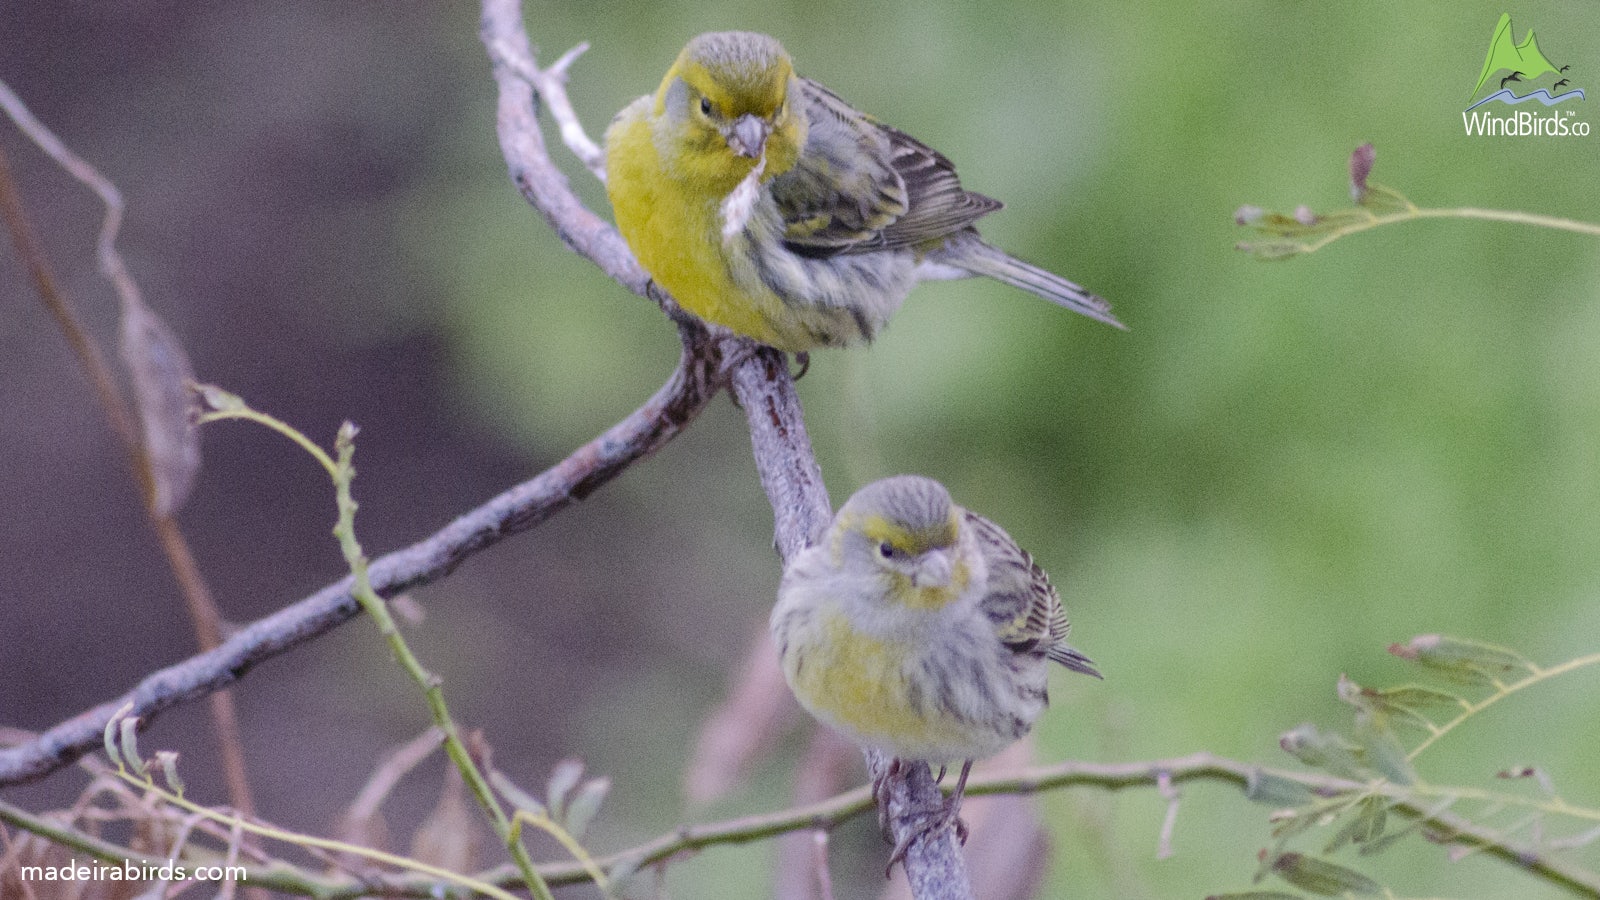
[(948, 814), (803, 359)]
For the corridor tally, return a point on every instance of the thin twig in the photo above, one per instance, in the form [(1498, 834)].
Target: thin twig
[(204, 613), (88, 353), (1512, 216)]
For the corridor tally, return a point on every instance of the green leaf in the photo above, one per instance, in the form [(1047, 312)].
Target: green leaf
[(516, 796), (128, 743), (220, 400), (168, 760), (1382, 752), (563, 778), (1292, 822), (1275, 790), (1411, 703), (1332, 752), (585, 804), (1322, 877), (1468, 662), (1270, 250), (1365, 826), (1381, 199), (1380, 844), (110, 736)]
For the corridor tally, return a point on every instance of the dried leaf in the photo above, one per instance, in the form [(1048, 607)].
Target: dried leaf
[(161, 376), (362, 823), (448, 837)]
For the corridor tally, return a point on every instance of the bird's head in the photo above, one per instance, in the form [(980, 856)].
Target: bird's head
[(730, 99), (910, 530)]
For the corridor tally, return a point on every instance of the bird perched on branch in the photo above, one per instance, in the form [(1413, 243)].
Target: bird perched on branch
[(764, 203), (921, 629)]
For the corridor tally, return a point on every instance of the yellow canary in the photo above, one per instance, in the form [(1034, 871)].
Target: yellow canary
[(764, 203), (921, 629)]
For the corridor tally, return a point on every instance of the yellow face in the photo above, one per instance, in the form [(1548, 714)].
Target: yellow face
[(923, 563), (728, 97)]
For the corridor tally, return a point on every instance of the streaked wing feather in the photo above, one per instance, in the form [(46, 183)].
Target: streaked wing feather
[(860, 185), (1021, 602), (938, 205)]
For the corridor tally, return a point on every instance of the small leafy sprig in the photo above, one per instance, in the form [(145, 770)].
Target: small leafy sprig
[(1306, 231), (340, 466), (1385, 794)]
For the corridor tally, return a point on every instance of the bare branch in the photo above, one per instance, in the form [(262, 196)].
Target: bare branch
[(760, 381), (536, 176), (645, 430)]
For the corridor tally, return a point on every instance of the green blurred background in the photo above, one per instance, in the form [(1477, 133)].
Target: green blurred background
[(1278, 470)]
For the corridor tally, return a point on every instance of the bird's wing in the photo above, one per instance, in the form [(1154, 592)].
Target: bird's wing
[(1021, 602), (860, 185)]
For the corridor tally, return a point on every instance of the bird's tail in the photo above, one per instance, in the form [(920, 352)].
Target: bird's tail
[(1073, 660), (972, 254)]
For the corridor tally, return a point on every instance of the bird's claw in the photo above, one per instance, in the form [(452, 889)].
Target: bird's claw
[(948, 814)]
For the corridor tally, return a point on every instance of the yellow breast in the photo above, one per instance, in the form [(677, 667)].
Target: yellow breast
[(675, 231), (873, 690)]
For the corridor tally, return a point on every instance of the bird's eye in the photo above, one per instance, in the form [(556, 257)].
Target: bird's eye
[(886, 550), (705, 105)]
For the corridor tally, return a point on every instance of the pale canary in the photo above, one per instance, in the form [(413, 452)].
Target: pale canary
[(921, 629), (764, 203)]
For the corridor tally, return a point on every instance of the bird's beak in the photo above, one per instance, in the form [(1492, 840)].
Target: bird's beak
[(933, 569), (749, 135)]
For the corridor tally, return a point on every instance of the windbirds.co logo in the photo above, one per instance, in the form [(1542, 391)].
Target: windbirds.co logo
[(1509, 65)]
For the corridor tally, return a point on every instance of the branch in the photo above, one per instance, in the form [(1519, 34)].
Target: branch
[(837, 810), (644, 431), (760, 381)]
